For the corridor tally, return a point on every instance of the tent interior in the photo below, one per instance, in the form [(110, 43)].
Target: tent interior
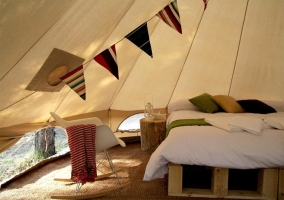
[(232, 48)]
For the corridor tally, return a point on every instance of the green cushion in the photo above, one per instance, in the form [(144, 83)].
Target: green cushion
[(205, 103)]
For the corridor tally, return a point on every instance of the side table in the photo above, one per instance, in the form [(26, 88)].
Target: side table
[(152, 133)]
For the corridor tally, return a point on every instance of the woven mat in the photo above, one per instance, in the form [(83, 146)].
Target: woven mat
[(39, 183)]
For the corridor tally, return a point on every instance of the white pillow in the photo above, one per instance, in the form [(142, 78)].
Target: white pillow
[(276, 122), (250, 124), (181, 104)]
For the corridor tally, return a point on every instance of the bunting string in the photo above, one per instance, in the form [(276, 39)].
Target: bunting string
[(140, 37), (83, 95)]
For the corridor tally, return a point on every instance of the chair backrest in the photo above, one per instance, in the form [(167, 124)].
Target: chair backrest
[(105, 138), (64, 123)]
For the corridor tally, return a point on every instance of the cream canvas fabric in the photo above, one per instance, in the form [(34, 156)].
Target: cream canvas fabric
[(232, 48)]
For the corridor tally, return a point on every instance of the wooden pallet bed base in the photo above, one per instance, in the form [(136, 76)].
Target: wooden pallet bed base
[(281, 184), (270, 185)]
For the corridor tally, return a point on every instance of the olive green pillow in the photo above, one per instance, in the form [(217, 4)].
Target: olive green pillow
[(228, 103), (205, 103)]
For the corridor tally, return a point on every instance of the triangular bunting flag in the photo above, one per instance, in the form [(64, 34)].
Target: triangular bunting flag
[(170, 15), (76, 81), (205, 4), (140, 38), (107, 59)]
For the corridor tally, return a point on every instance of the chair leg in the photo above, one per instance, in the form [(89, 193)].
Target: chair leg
[(93, 195), (112, 166), (78, 187)]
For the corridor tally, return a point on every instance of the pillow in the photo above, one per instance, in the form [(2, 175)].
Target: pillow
[(256, 106), (276, 122), (250, 124), (181, 104), (205, 103), (228, 103), (277, 105)]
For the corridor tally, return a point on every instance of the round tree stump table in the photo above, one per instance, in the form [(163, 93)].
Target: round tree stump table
[(152, 133)]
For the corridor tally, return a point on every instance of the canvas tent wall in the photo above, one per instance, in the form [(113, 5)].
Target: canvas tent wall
[(233, 47)]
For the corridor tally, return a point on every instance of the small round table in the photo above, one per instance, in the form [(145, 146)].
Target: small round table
[(152, 133)]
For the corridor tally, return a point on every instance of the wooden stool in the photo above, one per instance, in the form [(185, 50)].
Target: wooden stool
[(152, 133)]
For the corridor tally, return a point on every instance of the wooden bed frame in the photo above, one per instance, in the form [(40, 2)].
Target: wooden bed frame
[(270, 185)]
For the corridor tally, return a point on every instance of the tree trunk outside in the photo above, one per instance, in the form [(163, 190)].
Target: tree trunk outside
[(44, 142)]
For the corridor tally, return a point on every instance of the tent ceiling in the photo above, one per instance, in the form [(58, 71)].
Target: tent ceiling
[(235, 47), (213, 53), (259, 68), (23, 23)]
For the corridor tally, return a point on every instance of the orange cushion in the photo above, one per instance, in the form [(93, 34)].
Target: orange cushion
[(228, 103)]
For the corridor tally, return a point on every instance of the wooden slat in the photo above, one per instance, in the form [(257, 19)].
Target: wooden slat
[(99, 177), (246, 194), (281, 185), (219, 181), (270, 185), (195, 192), (267, 185), (175, 179)]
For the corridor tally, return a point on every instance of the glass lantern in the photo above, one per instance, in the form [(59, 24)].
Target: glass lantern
[(148, 112)]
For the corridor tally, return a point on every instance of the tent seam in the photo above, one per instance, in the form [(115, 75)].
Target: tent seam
[(186, 58), (232, 77)]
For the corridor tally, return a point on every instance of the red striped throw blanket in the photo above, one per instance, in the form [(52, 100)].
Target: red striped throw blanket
[(81, 140)]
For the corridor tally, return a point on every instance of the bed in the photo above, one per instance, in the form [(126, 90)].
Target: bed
[(223, 141)]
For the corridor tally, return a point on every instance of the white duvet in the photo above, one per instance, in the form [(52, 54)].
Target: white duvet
[(217, 147)]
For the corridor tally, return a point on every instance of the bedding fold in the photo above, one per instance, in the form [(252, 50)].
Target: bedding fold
[(250, 124), (222, 123)]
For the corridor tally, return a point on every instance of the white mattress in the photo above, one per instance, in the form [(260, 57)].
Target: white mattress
[(216, 147)]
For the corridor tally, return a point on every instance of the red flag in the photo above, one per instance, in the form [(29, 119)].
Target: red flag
[(205, 4), (107, 59), (170, 15)]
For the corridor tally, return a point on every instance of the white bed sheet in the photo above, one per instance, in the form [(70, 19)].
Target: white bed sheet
[(215, 147)]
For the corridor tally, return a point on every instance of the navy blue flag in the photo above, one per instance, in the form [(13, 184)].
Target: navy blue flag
[(140, 38)]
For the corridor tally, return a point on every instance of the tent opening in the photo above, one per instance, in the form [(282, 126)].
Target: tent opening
[(131, 124), (22, 156), (130, 127)]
